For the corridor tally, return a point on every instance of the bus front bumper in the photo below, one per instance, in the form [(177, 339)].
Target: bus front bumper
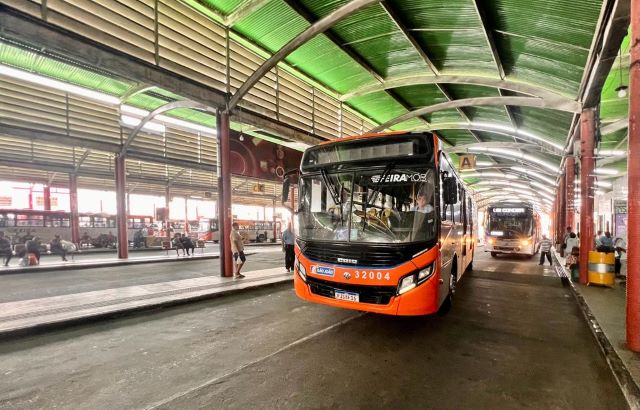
[(421, 300), (510, 249)]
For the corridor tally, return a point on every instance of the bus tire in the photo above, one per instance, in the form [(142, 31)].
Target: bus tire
[(453, 281), (469, 266), (494, 254), (261, 238)]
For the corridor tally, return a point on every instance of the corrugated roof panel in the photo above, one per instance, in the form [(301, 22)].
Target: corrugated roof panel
[(457, 137), (465, 50), (378, 106), (438, 14), (324, 61), (563, 21), (418, 96), (488, 114), (390, 55), (439, 117), (549, 124), (273, 25)]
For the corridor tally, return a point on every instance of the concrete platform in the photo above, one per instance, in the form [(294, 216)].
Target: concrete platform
[(28, 316), (605, 310), (91, 259)]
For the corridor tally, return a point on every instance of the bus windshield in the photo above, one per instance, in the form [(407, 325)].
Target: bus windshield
[(510, 226), (389, 205)]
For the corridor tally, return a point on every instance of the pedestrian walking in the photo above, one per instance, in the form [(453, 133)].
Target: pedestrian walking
[(288, 242), (5, 249), (545, 250), (237, 248)]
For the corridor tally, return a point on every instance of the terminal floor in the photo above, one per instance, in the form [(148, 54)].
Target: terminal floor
[(515, 338), (34, 285)]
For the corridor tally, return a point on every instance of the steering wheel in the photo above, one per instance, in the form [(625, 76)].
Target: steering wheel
[(376, 223)]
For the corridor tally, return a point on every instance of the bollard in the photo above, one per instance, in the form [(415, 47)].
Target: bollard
[(601, 268)]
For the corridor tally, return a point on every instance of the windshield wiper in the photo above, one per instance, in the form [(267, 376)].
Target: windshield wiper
[(334, 195), (376, 190)]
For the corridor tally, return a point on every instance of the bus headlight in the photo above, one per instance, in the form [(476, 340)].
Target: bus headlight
[(407, 283), (425, 273), (526, 242), (301, 270), (411, 281), (491, 241)]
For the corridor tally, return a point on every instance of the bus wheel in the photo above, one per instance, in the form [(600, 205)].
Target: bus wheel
[(261, 238), (448, 302), (469, 266), (494, 254)]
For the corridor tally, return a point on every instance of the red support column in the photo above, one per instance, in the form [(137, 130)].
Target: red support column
[(121, 207), (570, 179), (224, 193), (167, 215), (633, 167), (587, 142), (275, 233), (74, 217), (560, 227), (47, 198)]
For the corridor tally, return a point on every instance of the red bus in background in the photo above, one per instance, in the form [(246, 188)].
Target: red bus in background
[(18, 223), (384, 224), (251, 231)]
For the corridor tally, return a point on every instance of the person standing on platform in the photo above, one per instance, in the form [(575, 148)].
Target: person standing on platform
[(563, 246), (621, 257), (237, 248), (572, 241), (5, 249), (288, 242), (545, 249)]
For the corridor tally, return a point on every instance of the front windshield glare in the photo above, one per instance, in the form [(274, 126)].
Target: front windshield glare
[(391, 205)]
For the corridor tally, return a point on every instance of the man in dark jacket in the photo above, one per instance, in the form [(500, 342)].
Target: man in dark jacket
[(5, 249), (188, 244)]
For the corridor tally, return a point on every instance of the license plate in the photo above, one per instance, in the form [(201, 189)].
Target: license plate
[(350, 296)]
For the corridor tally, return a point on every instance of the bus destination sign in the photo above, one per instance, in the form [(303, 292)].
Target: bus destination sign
[(508, 210)]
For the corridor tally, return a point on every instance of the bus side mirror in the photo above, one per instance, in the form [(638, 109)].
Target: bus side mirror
[(450, 190), (286, 185)]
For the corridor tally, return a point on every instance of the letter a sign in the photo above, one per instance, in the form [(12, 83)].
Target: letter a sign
[(467, 162)]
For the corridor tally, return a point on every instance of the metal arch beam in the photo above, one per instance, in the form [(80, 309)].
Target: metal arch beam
[(318, 27), (499, 144), (560, 105), (515, 133), (158, 111), (81, 161), (615, 126), (489, 38), (138, 89), (407, 34), (423, 79), (176, 176)]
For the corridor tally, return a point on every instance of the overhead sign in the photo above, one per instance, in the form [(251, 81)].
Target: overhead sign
[(467, 162), (508, 210)]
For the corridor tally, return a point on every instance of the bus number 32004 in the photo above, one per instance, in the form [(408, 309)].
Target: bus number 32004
[(371, 275)]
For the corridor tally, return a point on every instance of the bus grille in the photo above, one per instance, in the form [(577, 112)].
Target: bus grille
[(368, 256), (378, 295)]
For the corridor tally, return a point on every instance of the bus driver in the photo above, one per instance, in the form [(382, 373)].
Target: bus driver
[(423, 200)]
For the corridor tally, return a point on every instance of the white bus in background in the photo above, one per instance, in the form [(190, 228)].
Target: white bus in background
[(512, 228)]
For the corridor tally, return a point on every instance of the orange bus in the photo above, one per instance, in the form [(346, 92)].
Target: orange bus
[(383, 224)]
